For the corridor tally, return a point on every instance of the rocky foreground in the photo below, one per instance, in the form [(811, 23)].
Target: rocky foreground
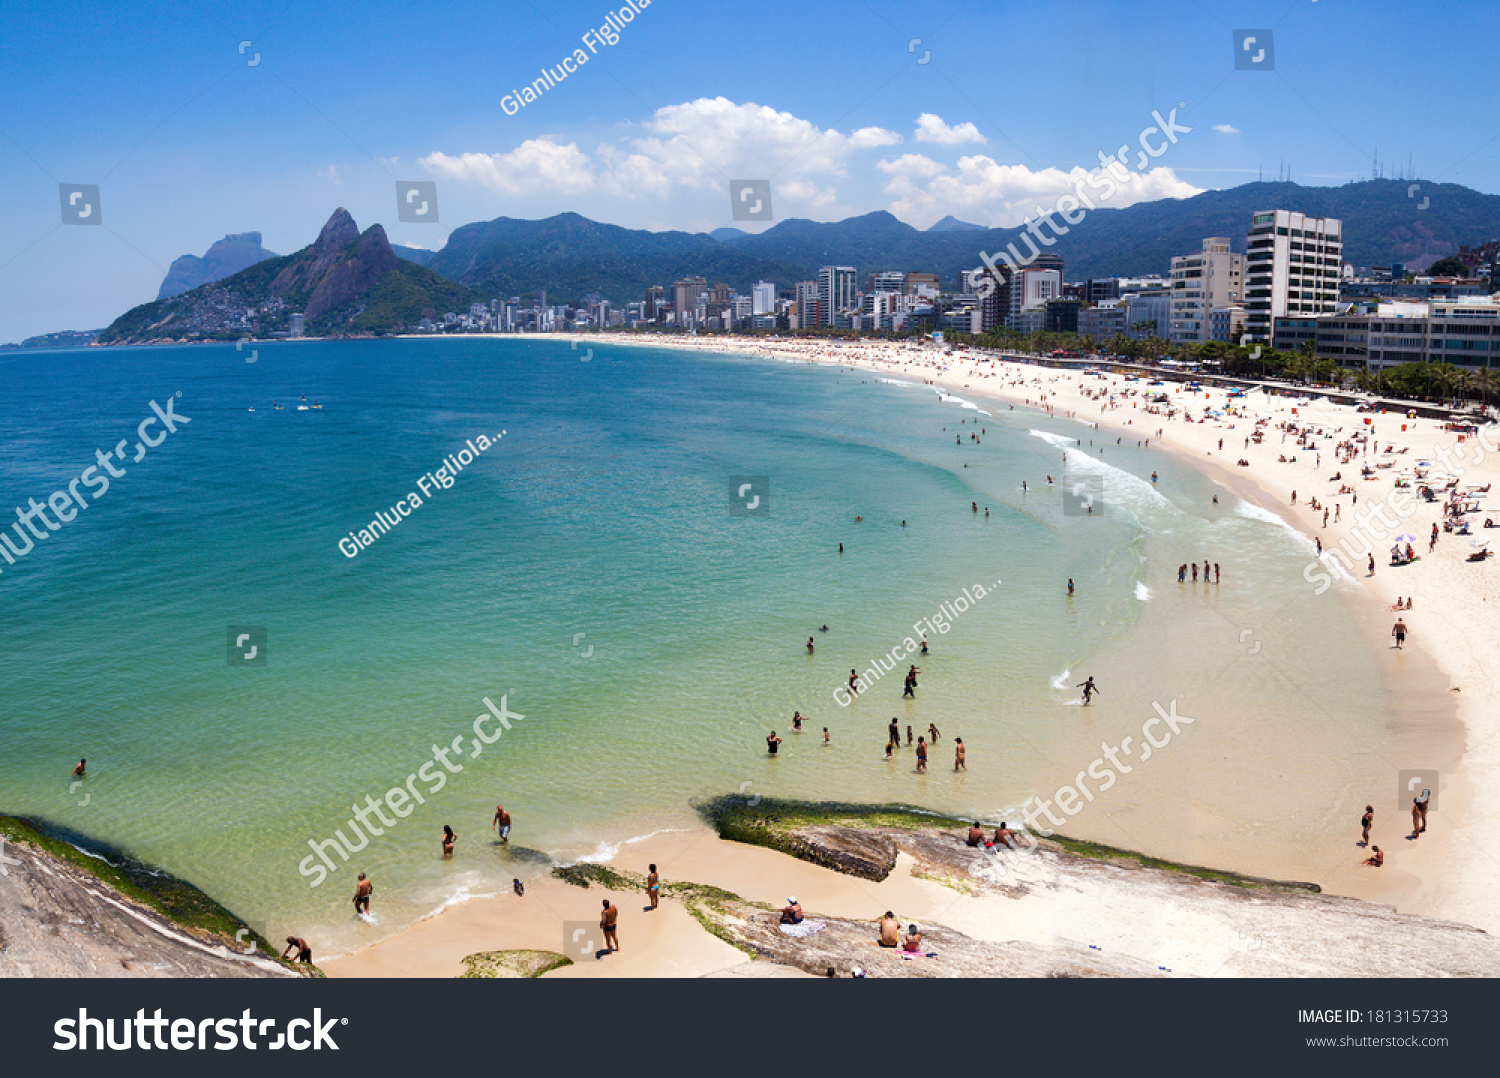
[(1061, 909), (64, 913)]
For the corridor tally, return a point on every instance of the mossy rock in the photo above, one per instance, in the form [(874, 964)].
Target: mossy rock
[(512, 965)]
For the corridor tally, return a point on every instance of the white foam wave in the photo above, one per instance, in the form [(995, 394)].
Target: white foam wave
[(1060, 681), (895, 382), (1142, 592), (944, 398)]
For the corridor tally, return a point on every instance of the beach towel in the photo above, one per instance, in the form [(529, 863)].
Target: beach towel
[(805, 929), (910, 954)]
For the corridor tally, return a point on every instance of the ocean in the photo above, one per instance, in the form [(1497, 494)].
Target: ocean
[(599, 575)]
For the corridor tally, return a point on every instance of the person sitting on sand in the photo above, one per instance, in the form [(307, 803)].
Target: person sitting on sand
[(890, 930), (1004, 836), (296, 943), (976, 835), (792, 914), (913, 942), (1376, 858)]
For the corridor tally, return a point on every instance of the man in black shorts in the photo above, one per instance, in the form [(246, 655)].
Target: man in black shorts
[(296, 943), (772, 742)]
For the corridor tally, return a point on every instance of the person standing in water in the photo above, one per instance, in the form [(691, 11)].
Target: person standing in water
[(81, 767), (809, 645), (922, 756), (363, 889), (772, 742), (501, 823), (1070, 586), (449, 838), (958, 755), (1089, 689), (932, 732)]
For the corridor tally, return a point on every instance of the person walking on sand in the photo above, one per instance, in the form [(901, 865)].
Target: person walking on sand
[(1422, 805), (1365, 822), (1372, 565), (363, 889), (921, 754), (608, 924), (1399, 632), (1416, 818), (501, 823), (653, 887), (449, 838), (958, 755)]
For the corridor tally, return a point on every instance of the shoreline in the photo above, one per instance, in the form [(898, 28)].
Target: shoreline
[(1422, 885), (1456, 653)]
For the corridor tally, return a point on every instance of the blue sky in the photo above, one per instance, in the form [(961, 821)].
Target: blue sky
[(189, 140)]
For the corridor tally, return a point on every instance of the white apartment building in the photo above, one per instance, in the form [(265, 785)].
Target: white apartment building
[(1214, 277), (837, 295), (1292, 267), (1464, 332), (763, 295)]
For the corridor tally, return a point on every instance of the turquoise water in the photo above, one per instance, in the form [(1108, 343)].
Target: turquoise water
[(588, 569)]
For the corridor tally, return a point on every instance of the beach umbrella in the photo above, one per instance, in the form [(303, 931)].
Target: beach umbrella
[(1406, 538)]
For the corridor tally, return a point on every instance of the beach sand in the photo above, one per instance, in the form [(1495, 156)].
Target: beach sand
[(1449, 873)]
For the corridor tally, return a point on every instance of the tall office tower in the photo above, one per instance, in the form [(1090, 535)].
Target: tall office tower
[(887, 281), (1291, 267), (1214, 277), (836, 295)]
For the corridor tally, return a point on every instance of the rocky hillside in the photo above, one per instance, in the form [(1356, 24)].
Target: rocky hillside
[(346, 283), (227, 256)]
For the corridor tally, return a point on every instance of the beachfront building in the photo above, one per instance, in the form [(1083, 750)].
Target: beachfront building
[(1029, 287), (1213, 277), (808, 303), (924, 284), (763, 298), (837, 295), (1464, 332), (1102, 322), (1226, 324), (1292, 267), (887, 281), (1060, 315), (687, 297), (1148, 313)]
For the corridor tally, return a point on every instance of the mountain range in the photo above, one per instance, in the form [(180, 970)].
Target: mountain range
[(569, 256), (346, 282)]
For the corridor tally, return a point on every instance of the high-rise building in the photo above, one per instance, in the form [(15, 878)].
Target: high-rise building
[(656, 300), (837, 295), (809, 309), (1214, 277), (911, 281), (887, 281), (1291, 267), (763, 298), (686, 295)]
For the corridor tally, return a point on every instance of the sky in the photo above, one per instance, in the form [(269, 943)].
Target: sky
[(198, 118)]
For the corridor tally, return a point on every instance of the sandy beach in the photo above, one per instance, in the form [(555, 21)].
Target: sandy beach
[(1441, 677)]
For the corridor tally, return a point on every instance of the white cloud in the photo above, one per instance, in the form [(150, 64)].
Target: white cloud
[(911, 164), (331, 174), (1005, 195), (1228, 129), (930, 128), (534, 166)]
